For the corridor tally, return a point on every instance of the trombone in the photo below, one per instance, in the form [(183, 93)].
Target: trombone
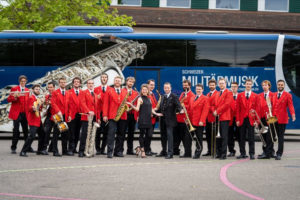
[(215, 133), (271, 120), (264, 129)]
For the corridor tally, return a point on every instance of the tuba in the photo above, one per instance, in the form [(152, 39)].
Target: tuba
[(122, 108), (90, 139)]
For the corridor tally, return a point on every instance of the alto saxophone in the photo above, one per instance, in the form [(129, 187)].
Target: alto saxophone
[(90, 139), (122, 108)]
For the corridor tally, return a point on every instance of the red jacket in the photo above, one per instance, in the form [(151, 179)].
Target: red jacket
[(212, 105), (223, 105), (244, 106), (19, 104), (154, 103), (199, 110), (99, 90), (59, 102), (280, 107), (264, 109), (88, 103), (233, 110), (72, 104), (187, 103), (32, 119), (112, 102)]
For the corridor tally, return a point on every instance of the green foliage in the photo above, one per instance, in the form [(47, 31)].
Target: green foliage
[(44, 15)]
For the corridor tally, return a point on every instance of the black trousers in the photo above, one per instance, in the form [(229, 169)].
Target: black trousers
[(75, 126), (148, 140), (166, 137), (280, 133), (83, 135), (16, 130), (145, 133), (48, 126), (223, 141), (245, 129), (189, 140), (29, 140), (64, 140), (233, 134), (208, 130), (130, 131), (268, 150), (179, 136), (119, 128), (101, 142)]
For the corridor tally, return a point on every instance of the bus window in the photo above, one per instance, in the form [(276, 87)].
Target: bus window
[(16, 52), (164, 53), (93, 46), (291, 64), (58, 52), (259, 53)]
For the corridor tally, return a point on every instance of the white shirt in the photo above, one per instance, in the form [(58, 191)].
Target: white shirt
[(249, 93), (168, 95), (62, 90)]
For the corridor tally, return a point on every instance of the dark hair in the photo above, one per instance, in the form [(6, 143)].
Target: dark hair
[(34, 86), (168, 83), (51, 83), (234, 82), (212, 81), (62, 78), (249, 80), (22, 77), (200, 85), (187, 81), (150, 80), (76, 78), (280, 80), (103, 73)]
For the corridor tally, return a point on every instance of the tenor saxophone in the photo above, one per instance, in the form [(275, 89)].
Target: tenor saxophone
[(122, 108)]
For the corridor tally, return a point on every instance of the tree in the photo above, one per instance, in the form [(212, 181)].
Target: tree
[(44, 15)]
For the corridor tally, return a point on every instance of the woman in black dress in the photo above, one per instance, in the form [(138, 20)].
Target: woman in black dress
[(144, 107)]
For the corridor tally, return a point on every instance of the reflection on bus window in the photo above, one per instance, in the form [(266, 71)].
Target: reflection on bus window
[(291, 64)]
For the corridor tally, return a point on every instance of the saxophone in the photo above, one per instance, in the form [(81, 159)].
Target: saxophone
[(159, 100), (122, 108), (90, 139)]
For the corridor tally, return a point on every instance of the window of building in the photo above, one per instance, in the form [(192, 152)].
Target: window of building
[(178, 3), (276, 5), (228, 4), (126, 2)]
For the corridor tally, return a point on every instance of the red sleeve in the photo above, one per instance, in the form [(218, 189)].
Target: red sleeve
[(290, 104), (11, 98), (106, 104), (54, 102), (84, 108), (30, 104), (238, 110), (205, 111)]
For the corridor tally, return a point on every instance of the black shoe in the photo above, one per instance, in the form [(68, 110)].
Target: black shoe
[(31, 150), (22, 153), (185, 156), (130, 153), (223, 157), (56, 154), (207, 154), (80, 154), (273, 156), (50, 151), (231, 154), (69, 153), (38, 153), (176, 153), (263, 157), (241, 157), (98, 153), (153, 153), (13, 151), (161, 154), (252, 157), (75, 151), (169, 157), (119, 154), (218, 156), (263, 154), (148, 153), (278, 157), (103, 153), (109, 155)]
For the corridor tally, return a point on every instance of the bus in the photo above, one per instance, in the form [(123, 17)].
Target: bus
[(169, 57)]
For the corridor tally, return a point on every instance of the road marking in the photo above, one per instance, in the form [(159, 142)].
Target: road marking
[(37, 197)]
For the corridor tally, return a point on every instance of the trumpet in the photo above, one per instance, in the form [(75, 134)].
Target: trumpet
[(271, 120), (264, 129)]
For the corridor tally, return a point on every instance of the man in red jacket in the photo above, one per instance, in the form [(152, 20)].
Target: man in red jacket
[(181, 129), (73, 116), (233, 131), (103, 89), (264, 112), (199, 110), (19, 105), (111, 105), (281, 101), (59, 106), (35, 123), (223, 112), (247, 102), (213, 95), (88, 105)]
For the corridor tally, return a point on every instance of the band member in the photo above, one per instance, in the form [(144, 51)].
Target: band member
[(247, 102), (213, 94), (144, 107), (233, 131), (112, 102), (199, 111), (168, 107), (34, 121), (59, 106), (281, 101), (103, 89), (88, 106), (48, 123), (151, 85), (223, 112), (182, 130), (19, 105), (131, 121), (264, 110), (73, 116)]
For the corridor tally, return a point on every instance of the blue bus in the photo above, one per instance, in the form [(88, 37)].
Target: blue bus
[(170, 57)]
